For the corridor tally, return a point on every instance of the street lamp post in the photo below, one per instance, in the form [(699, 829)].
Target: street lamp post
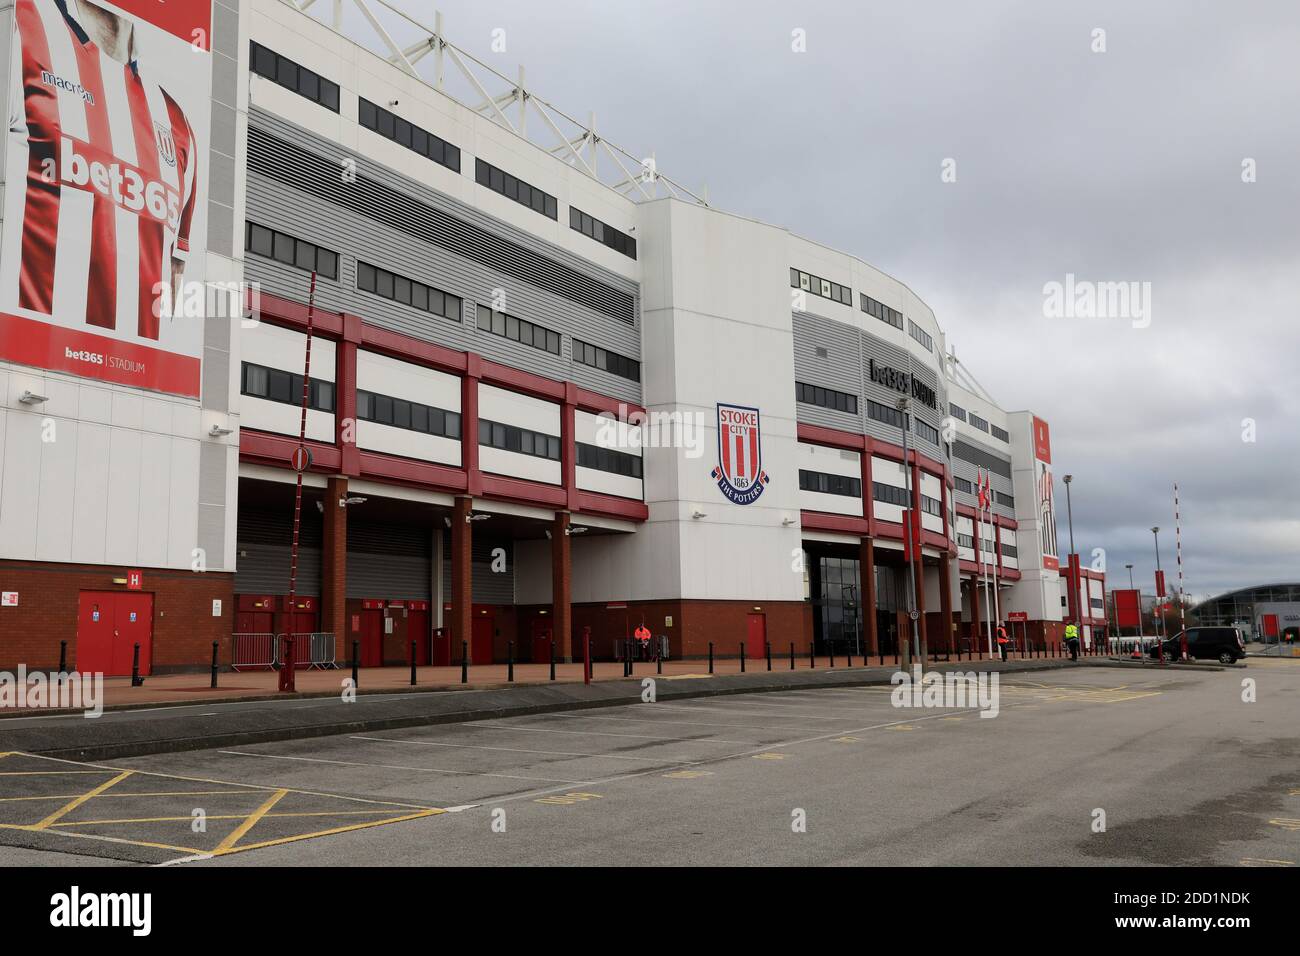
[(1130, 587), (903, 406)]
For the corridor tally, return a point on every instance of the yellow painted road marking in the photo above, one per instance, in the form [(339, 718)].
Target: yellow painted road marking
[(1286, 823), (900, 727), (687, 677), (151, 793), (89, 795), (568, 799), (769, 756), (49, 773), (250, 821), (847, 740), (225, 816), (330, 832), (1251, 861)]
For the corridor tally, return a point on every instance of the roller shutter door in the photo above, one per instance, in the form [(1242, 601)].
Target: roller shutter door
[(263, 546), (489, 587), (389, 561)]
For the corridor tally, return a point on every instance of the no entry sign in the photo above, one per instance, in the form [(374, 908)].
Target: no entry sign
[(301, 458)]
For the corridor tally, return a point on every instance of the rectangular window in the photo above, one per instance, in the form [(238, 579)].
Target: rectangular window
[(292, 252), (885, 413), (284, 72), (609, 460), (981, 458), (1000, 433), (821, 287), (828, 484), (881, 311), (922, 336), (389, 285), (520, 440), (1005, 500), (964, 485), (374, 117), (607, 235), (605, 360), (519, 330), (826, 398), (977, 422), (890, 494), (497, 180), (277, 385), (1010, 551), (966, 541), (927, 431), (931, 506), (412, 416), (957, 411)]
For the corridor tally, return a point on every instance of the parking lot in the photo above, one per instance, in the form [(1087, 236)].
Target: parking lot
[(1174, 764)]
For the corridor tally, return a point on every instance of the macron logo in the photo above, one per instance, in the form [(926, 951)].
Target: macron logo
[(76, 909), (59, 83)]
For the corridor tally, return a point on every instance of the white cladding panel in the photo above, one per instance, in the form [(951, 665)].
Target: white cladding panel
[(388, 376), (274, 347), (511, 408)]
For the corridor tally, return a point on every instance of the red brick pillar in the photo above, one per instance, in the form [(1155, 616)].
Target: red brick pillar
[(462, 601), (867, 586), (334, 567), (561, 587), (945, 600)]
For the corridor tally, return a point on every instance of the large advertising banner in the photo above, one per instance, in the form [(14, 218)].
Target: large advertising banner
[(1044, 494), (105, 209)]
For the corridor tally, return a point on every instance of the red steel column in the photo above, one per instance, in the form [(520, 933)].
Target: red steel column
[(568, 450), (469, 424), (920, 558), (867, 587), (345, 396), (561, 586), (334, 566), (462, 600)]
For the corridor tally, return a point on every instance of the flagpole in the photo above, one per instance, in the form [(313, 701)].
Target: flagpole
[(988, 606), (997, 561)]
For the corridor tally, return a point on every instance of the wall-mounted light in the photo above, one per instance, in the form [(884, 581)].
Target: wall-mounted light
[(31, 398), (787, 522), (476, 517), (699, 514), (216, 431), (572, 530), (446, 521), (353, 500)]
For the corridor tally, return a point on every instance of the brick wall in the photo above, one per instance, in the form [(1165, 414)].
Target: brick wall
[(695, 624), (48, 597)]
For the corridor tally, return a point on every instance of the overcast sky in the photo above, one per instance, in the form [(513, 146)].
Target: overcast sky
[(1122, 165)]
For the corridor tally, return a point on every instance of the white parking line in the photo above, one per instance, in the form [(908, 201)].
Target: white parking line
[(384, 766), (519, 750), (776, 711), (653, 720)]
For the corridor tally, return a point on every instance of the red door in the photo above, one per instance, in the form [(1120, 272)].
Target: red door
[(480, 650), (541, 634), (372, 637), (109, 625), (417, 629), (1270, 625), (756, 638), (441, 646)]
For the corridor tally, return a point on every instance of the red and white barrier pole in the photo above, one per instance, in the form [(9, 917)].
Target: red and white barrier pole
[(1178, 550)]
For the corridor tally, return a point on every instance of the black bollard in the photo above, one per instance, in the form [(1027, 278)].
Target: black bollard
[(552, 658), (659, 654), (63, 658), (849, 655), (464, 662), (214, 664), (710, 657), (830, 652), (136, 679), (510, 661), (792, 655), (768, 648), (412, 663), (812, 656), (742, 657), (356, 648)]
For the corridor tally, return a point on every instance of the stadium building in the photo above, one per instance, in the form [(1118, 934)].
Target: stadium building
[(551, 388)]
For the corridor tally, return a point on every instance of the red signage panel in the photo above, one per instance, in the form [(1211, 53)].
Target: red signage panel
[(1128, 608), (134, 580)]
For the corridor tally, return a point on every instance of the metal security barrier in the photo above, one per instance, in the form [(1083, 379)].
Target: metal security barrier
[(248, 651), (1126, 646), (266, 650)]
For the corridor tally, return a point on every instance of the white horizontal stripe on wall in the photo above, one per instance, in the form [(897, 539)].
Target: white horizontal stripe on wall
[(389, 376), (590, 429), (887, 472), (406, 443), (511, 408), (274, 347), (605, 483), (834, 504), (284, 419), (832, 461), (514, 464)]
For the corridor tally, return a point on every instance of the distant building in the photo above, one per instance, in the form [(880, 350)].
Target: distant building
[(1266, 609)]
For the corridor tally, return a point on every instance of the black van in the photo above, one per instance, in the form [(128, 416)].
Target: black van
[(1206, 643)]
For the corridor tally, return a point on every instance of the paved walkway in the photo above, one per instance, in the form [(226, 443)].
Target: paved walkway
[(192, 688)]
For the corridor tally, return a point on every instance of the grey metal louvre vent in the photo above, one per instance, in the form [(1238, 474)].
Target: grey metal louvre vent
[(308, 172)]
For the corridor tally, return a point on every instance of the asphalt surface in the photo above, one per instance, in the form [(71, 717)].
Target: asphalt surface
[(1185, 772)]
